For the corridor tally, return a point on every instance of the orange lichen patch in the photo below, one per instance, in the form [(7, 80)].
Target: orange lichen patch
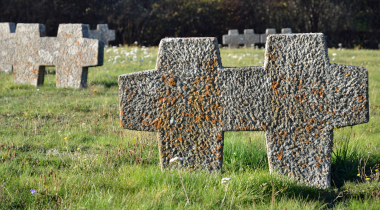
[(271, 57), (121, 123), (171, 82), (219, 137), (189, 130), (347, 74), (297, 130), (282, 134), (274, 85), (130, 125), (360, 98), (199, 118), (280, 155), (309, 127), (184, 88), (122, 113), (264, 126), (196, 81)]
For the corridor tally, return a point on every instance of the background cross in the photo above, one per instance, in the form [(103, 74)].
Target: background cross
[(102, 33), (70, 52)]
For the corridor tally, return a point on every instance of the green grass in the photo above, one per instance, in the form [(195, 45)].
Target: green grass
[(67, 145)]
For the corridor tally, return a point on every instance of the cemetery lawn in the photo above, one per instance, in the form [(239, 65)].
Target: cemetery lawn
[(64, 148)]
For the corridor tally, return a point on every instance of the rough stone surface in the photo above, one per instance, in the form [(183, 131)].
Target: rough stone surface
[(263, 37), (70, 52), (7, 30), (297, 98), (102, 33)]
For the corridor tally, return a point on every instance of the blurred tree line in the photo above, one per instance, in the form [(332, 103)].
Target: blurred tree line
[(350, 22)]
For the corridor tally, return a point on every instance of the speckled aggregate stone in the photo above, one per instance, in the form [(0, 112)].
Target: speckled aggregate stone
[(297, 98), (70, 52), (7, 30), (102, 33)]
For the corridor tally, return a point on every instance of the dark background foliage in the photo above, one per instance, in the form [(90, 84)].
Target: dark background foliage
[(350, 22)]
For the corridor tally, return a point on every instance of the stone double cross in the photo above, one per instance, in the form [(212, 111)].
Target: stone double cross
[(249, 38), (297, 98), (102, 33), (71, 52)]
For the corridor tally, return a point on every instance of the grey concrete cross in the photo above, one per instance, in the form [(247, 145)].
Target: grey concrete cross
[(102, 33), (233, 39), (297, 98), (70, 52), (263, 37)]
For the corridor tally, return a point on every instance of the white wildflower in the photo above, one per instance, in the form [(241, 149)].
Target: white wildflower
[(225, 180), (176, 159)]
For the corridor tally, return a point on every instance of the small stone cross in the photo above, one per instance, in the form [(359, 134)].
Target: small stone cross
[(70, 52), (233, 39), (263, 37), (102, 33), (297, 98)]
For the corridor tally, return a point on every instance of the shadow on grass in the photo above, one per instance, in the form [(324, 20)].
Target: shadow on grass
[(106, 83), (346, 162)]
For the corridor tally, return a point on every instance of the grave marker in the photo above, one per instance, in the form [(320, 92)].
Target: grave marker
[(263, 37), (249, 38), (71, 52), (298, 98), (102, 33), (286, 31), (232, 39), (7, 30)]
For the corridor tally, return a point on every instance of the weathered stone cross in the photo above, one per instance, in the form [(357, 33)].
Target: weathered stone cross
[(297, 98), (70, 52), (7, 30), (234, 39), (102, 33)]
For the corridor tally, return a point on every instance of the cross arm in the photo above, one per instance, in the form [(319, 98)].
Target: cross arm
[(91, 52), (244, 98), (349, 88), (138, 101), (7, 51)]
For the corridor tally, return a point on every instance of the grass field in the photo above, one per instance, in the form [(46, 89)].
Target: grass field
[(66, 146)]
